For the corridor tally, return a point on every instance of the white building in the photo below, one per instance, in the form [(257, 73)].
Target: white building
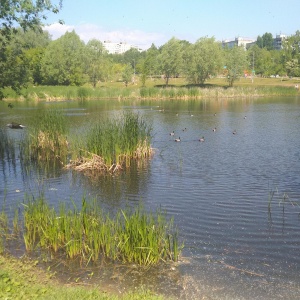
[(118, 48), (239, 41)]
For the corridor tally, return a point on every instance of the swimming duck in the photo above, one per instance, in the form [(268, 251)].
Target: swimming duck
[(215, 129), (177, 140), (14, 125), (10, 105), (202, 139), (172, 133), (234, 132)]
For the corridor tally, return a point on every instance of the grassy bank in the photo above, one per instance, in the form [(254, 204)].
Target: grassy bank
[(24, 279), (155, 89)]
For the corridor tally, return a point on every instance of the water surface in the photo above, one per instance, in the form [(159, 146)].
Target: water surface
[(236, 246)]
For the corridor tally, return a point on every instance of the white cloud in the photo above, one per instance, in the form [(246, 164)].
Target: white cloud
[(87, 32)]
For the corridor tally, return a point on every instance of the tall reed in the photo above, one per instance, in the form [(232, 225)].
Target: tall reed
[(46, 140), (112, 144), (132, 236)]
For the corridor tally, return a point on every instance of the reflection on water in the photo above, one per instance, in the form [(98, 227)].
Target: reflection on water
[(236, 246)]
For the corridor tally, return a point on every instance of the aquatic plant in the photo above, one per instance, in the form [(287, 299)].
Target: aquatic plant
[(132, 236), (112, 144), (46, 139)]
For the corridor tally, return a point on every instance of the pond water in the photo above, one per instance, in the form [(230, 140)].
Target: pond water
[(237, 245)]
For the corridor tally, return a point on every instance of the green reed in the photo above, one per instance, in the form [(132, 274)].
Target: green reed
[(132, 236), (112, 144), (46, 140)]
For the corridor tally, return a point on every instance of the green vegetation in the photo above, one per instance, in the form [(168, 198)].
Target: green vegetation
[(46, 140), (132, 236), (43, 63), (111, 145), (23, 279)]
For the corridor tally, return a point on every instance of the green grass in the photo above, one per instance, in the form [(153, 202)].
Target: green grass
[(47, 138), (155, 89), (112, 144), (88, 234), (23, 279)]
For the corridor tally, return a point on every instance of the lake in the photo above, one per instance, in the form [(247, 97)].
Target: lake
[(239, 243)]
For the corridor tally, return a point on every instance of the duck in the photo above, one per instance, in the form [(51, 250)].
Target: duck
[(14, 125), (177, 140), (202, 139), (234, 132), (10, 105), (215, 129), (172, 133)]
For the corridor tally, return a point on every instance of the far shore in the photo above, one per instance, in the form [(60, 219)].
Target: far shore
[(155, 89)]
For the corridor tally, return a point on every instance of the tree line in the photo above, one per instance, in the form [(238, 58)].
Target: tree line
[(30, 56)]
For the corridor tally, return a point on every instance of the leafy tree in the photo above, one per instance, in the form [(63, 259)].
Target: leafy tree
[(170, 59), (203, 59), (149, 65), (95, 57), (291, 53), (236, 63), (127, 74), (260, 42), (266, 41), (13, 67), (26, 14), (63, 62)]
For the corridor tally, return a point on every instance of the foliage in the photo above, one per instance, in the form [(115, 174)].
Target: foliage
[(266, 41), (236, 63), (127, 74), (95, 61), (170, 59), (110, 145), (202, 60), (63, 61), (46, 140), (132, 236), (26, 14)]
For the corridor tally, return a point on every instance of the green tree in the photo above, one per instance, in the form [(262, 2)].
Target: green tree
[(149, 65), (235, 62), (266, 41), (95, 59), (291, 54), (127, 74), (203, 59), (171, 59), (26, 14), (63, 62)]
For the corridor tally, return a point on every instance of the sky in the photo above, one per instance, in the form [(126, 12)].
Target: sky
[(143, 22)]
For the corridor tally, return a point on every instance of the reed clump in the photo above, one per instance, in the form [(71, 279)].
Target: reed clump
[(46, 140), (132, 236), (113, 144)]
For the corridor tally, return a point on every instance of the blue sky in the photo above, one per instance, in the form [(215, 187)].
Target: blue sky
[(143, 22)]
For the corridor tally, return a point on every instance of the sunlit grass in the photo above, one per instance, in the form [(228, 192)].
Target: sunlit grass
[(132, 236), (112, 144), (46, 140)]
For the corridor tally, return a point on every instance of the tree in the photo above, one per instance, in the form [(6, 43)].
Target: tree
[(149, 65), (26, 14), (236, 63), (95, 59), (63, 62), (291, 52), (170, 59), (203, 59), (266, 41), (127, 74)]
